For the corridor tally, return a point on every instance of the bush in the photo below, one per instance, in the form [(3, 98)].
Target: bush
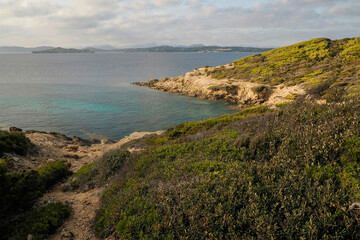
[(98, 172), (83, 176), (13, 142), (193, 127), (289, 173), (38, 222), (259, 89), (19, 190)]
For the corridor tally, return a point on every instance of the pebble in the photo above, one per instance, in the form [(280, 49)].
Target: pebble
[(67, 234)]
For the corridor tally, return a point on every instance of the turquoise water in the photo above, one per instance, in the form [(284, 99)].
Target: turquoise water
[(90, 95)]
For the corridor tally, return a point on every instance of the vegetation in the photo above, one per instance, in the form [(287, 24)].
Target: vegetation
[(19, 190), (38, 222), (64, 50), (288, 173), (311, 63), (13, 142), (98, 172)]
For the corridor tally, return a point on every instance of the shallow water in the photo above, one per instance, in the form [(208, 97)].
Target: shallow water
[(90, 94)]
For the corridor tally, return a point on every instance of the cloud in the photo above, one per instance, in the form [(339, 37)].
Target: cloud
[(166, 3), (138, 22), (345, 10)]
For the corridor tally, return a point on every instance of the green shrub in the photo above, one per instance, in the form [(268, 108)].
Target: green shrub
[(282, 105), (14, 142), (193, 127), (99, 171), (19, 190), (3, 166), (83, 175), (214, 88), (259, 89), (290, 173), (52, 172), (38, 222)]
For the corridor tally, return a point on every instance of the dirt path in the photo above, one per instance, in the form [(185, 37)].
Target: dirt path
[(53, 147)]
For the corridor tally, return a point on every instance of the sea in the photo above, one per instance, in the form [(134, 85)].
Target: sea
[(90, 95)]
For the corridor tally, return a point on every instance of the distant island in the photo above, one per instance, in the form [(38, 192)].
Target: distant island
[(64, 50), (195, 49)]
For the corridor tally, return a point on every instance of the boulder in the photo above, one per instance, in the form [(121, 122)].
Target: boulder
[(15, 129)]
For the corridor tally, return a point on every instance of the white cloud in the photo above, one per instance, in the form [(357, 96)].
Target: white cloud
[(137, 22), (345, 10)]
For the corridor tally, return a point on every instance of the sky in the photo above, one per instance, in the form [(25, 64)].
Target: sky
[(135, 23)]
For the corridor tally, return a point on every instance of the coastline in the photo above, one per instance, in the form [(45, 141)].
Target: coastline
[(244, 94)]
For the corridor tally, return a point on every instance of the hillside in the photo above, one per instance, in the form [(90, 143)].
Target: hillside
[(276, 76), (64, 50), (289, 173)]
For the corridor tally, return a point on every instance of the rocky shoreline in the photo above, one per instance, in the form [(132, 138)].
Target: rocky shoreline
[(200, 84)]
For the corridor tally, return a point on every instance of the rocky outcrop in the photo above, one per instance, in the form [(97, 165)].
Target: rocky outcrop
[(323, 69), (15, 129), (199, 83)]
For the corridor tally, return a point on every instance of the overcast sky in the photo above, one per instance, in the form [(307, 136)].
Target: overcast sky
[(125, 23)]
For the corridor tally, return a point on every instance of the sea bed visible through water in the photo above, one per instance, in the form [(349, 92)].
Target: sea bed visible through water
[(90, 94)]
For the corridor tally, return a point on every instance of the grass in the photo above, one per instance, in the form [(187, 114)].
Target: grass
[(289, 173)]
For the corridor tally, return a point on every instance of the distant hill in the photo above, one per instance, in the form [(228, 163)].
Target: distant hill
[(108, 48), (64, 50), (15, 49), (195, 48)]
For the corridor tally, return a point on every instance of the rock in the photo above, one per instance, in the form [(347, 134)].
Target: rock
[(60, 136), (153, 80), (65, 187), (73, 148), (67, 234), (33, 131), (107, 141), (50, 160), (15, 129), (94, 140), (80, 141), (74, 156), (354, 209), (30, 237)]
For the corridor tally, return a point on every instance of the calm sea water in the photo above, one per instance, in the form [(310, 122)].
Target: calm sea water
[(90, 95)]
